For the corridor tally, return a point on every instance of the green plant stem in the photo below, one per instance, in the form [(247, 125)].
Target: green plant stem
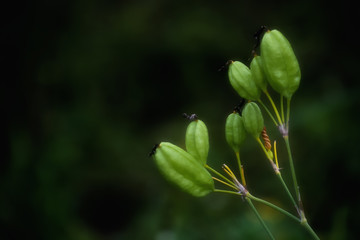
[(263, 148), (220, 175), (293, 174), (274, 207), (278, 174), (227, 191), (287, 191), (241, 169), (282, 108), (261, 201), (274, 107), (310, 230), (248, 198), (259, 217), (303, 222), (288, 112), (268, 112)]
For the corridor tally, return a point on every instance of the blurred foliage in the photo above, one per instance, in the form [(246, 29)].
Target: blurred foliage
[(95, 84)]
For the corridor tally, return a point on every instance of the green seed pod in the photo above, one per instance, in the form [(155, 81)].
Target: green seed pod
[(253, 119), (181, 168), (257, 71), (242, 81), (197, 140), (280, 63), (235, 132)]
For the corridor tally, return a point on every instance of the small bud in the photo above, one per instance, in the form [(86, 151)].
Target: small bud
[(242, 81), (280, 64), (235, 132), (197, 141), (180, 168), (253, 119), (257, 71)]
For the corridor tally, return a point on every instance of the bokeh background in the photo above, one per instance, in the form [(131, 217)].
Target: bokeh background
[(91, 86)]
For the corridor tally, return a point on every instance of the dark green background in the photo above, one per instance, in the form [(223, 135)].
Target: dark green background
[(91, 86)]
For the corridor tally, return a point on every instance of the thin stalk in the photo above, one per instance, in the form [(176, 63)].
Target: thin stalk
[(263, 148), (303, 222), (274, 207), (260, 218), (278, 174), (226, 191), (225, 183), (241, 169), (310, 230), (268, 112), (288, 192), (219, 174), (288, 112), (275, 155), (229, 172), (282, 108), (268, 156), (274, 107), (293, 174)]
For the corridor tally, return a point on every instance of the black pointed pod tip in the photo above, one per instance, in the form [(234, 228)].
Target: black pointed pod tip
[(257, 37), (192, 117), (225, 66), (153, 150), (238, 108)]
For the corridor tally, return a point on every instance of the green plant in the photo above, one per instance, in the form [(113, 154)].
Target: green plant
[(277, 66)]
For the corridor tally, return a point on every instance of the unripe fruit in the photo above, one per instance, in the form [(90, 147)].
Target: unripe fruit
[(257, 71), (280, 64), (181, 168), (242, 81), (235, 132), (197, 141), (253, 119)]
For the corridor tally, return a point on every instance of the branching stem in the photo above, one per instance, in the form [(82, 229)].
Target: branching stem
[(220, 175), (248, 196), (274, 207), (259, 217)]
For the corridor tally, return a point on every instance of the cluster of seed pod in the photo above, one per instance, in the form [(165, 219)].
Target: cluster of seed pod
[(276, 66), (237, 126), (186, 168)]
